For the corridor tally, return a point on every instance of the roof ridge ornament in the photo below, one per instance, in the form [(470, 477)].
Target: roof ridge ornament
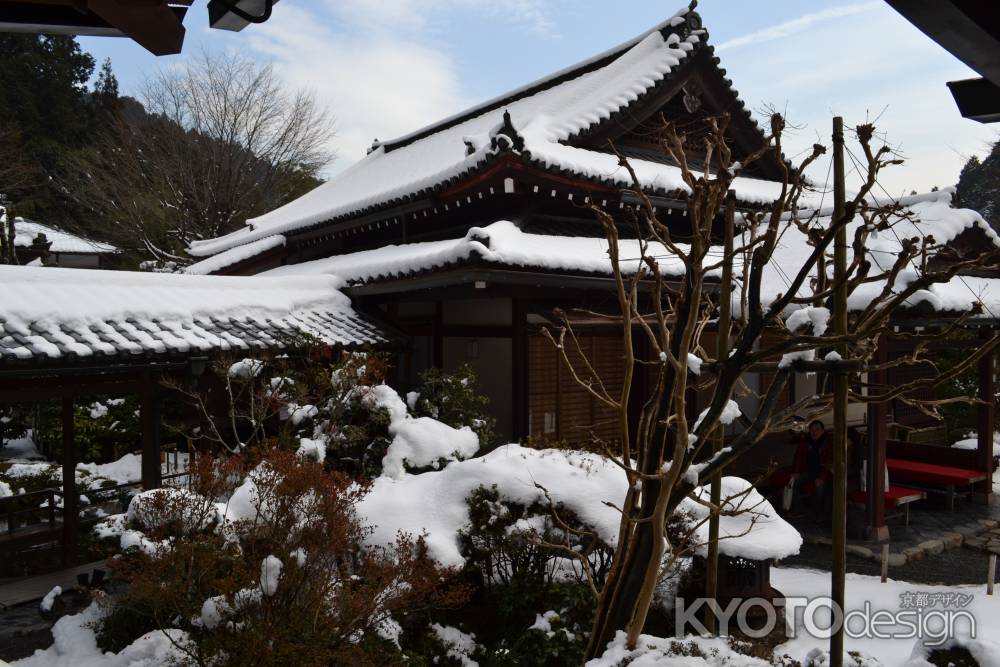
[(506, 137), (692, 19)]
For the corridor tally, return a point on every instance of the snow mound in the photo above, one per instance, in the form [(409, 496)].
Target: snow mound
[(660, 652), (756, 532), (75, 645), (418, 442), (435, 502)]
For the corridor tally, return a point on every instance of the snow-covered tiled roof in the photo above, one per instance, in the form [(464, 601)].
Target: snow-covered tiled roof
[(544, 115), (501, 243), (52, 314), (235, 255), (27, 230), (924, 215), (504, 244)]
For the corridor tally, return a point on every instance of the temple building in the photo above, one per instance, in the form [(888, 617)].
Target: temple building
[(469, 235)]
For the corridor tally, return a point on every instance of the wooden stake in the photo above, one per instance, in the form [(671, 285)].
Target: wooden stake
[(70, 510), (885, 562), (991, 571), (722, 352), (839, 573)]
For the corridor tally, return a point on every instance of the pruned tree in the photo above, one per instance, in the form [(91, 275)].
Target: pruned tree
[(667, 313), (214, 142)]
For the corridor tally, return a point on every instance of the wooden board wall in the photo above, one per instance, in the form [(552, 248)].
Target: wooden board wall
[(559, 409)]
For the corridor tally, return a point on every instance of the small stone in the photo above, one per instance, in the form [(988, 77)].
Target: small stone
[(977, 542), (858, 550), (913, 553), (952, 539), (989, 523), (932, 546), (967, 530), (897, 560)]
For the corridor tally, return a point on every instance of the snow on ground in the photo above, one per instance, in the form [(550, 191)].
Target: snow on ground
[(125, 470), (972, 442), (75, 645), (19, 448), (659, 652), (862, 589)]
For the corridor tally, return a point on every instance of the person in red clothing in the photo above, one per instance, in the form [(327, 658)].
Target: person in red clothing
[(813, 460)]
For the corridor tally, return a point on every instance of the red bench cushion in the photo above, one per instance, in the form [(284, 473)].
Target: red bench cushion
[(933, 474), (894, 496)]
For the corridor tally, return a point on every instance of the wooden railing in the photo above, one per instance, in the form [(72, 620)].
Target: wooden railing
[(12, 512), (12, 508)]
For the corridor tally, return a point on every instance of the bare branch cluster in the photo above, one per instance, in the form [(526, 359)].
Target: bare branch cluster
[(668, 310)]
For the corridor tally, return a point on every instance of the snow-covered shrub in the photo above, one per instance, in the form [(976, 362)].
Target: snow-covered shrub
[(508, 542), (689, 652), (336, 409), (274, 570), (518, 555), (15, 420), (455, 399)]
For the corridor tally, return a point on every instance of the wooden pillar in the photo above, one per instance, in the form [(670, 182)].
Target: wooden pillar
[(71, 499), (150, 417), (986, 422), (519, 369), (437, 353), (877, 436)]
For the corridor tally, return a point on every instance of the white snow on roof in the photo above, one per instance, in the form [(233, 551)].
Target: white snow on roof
[(504, 243), (27, 230), (90, 295), (930, 214), (500, 242), (235, 255), (51, 312), (544, 119)]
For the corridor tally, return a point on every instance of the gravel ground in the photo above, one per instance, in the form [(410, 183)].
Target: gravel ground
[(951, 566)]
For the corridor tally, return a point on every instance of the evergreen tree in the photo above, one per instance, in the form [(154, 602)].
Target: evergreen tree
[(979, 186), (106, 89), (45, 107)]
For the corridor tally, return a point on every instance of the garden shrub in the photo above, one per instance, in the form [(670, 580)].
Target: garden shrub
[(534, 606), (284, 578), (455, 399), (104, 428)]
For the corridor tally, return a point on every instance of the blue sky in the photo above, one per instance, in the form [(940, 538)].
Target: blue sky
[(386, 67)]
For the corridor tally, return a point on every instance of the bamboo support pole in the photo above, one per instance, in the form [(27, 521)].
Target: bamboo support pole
[(722, 352), (839, 490)]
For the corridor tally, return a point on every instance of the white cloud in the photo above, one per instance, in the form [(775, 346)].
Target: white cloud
[(380, 67), (375, 84), (865, 63), (796, 25), (420, 15)]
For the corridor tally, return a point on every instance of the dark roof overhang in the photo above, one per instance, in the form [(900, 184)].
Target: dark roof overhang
[(970, 31), (157, 26)]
